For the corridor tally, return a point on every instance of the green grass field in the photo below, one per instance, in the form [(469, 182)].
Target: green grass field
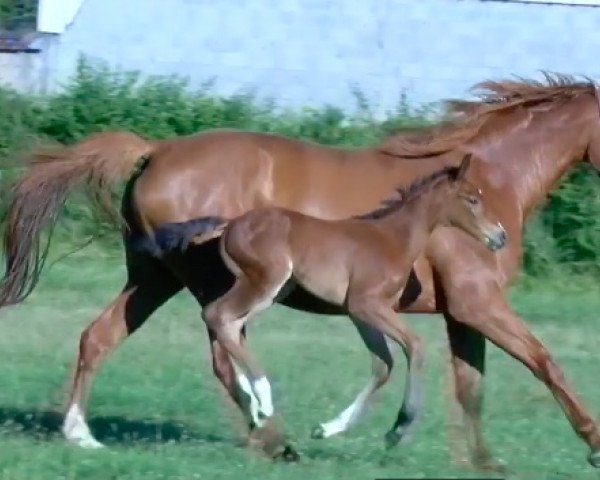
[(159, 409)]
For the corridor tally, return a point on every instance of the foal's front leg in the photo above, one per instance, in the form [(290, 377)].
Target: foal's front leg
[(382, 363), (376, 313)]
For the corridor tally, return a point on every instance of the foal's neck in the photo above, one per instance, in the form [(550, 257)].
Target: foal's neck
[(413, 222)]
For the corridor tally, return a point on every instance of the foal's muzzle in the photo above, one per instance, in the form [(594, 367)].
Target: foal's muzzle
[(496, 238)]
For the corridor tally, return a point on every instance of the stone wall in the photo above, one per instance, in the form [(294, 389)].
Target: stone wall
[(311, 52)]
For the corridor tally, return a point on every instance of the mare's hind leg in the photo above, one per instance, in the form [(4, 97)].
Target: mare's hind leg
[(381, 368), (149, 285), (385, 319), (467, 348)]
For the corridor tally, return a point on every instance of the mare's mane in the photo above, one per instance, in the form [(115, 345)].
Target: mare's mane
[(466, 118)]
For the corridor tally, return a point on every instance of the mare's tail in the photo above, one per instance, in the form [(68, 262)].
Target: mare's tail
[(35, 199)]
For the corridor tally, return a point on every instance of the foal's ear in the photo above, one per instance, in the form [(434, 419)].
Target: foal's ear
[(461, 171)]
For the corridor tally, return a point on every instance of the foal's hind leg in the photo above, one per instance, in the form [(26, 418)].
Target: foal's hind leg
[(148, 287), (226, 316), (382, 364)]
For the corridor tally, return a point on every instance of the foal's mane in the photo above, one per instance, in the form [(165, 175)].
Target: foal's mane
[(466, 118), (413, 191)]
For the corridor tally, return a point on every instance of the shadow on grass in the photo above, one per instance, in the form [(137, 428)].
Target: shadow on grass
[(46, 424)]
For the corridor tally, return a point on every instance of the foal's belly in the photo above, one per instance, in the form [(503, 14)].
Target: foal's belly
[(328, 284), (417, 297)]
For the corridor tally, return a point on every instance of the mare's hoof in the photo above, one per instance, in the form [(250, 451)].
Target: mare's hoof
[(594, 459), (392, 438), (318, 432)]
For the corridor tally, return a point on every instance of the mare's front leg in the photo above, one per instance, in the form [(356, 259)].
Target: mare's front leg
[(381, 367), (467, 351), (478, 302)]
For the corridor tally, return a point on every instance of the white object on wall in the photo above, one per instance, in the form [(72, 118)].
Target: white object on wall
[(590, 3), (55, 15)]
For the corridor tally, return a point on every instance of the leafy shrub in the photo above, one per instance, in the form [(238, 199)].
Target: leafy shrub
[(565, 234)]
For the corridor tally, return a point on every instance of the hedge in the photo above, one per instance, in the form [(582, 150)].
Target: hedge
[(564, 234)]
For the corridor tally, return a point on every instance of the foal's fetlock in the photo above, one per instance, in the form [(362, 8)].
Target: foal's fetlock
[(261, 419), (258, 416), (392, 438), (594, 459), (317, 432), (262, 390), (400, 434)]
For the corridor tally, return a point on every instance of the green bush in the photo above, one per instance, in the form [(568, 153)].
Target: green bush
[(564, 235), (18, 15)]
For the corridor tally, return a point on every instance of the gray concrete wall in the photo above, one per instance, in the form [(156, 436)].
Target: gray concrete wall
[(311, 52)]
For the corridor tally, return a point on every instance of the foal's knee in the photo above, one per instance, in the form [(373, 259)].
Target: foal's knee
[(213, 316), (359, 308), (416, 349), (382, 373)]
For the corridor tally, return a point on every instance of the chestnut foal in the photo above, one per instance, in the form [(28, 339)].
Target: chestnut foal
[(361, 264)]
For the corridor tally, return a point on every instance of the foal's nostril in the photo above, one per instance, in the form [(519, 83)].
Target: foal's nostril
[(497, 239), (501, 240)]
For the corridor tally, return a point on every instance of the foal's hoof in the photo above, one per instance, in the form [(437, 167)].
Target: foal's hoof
[(287, 453), (268, 440), (318, 432), (487, 463), (594, 459), (392, 438)]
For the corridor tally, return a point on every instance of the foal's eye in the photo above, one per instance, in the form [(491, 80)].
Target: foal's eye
[(473, 200)]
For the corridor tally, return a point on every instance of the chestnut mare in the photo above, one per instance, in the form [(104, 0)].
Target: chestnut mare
[(361, 265), (527, 134)]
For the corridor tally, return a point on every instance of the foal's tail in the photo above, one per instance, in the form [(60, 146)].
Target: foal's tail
[(35, 199), (178, 236)]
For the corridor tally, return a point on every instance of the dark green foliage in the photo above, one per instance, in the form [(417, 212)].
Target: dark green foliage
[(572, 218), (18, 15), (565, 235)]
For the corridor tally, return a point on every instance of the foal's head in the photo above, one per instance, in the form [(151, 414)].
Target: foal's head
[(464, 208)]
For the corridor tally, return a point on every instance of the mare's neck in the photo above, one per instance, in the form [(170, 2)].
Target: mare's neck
[(532, 159)]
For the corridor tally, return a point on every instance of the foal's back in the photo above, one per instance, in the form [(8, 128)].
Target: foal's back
[(323, 256)]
